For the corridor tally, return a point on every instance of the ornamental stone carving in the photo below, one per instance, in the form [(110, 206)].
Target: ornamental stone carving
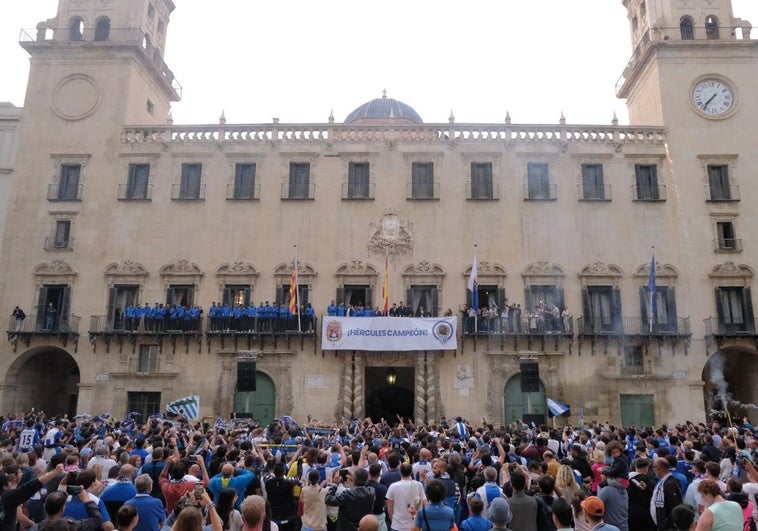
[(356, 272), (390, 235), (600, 269), (239, 272), (543, 269), (181, 272), (55, 268), (126, 268), (730, 269), (661, 270)]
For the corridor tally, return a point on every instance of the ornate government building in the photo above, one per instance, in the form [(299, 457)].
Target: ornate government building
[(112, 205)]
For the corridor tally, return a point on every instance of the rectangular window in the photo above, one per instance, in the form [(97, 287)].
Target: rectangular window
[(424, 300), (148, 358), (355, 295), (718, 182), (726, 236), (602, 310), (244, 181), (145, 404), (663, 319), (538, 180), (481, 180), (358, 180), (189, 187), (237, 295), (646, 181), (180, 295), (422, 180), (593, 186), (68, 187), (283, 294), (62, 233), (633, 360), (137, 181), (734, 306), (300, 180)]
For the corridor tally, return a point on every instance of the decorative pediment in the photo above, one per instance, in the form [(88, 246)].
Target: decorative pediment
[(424, 268), (661, 271), (543, 269), (730, 269), (181, 267), (303, 270), (126, 268), (600, 269), (236, 268), (55, 268), (390, 235), (356, 268)]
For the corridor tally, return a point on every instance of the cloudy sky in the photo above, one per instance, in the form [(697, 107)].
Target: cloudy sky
[(297, 59)]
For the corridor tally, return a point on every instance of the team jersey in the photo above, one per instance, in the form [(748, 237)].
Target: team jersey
[(27, 440)]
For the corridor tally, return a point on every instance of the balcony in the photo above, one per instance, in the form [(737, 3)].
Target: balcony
[(722, 194), (720, 328), (304, 192), (67, 193), (633, 326), (529, 328), (135, 193), (353, 192), (649, 193), (124, 328), (422, 192), (540, 192), (185, 193), (243, 193), (727, 245), (595, 193), (486, 192), (54, 243), (62, 327)]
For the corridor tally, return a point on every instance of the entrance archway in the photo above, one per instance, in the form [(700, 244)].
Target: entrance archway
[(45, 378), (389, 393), (529, 407), (731, 372), (260, 404)]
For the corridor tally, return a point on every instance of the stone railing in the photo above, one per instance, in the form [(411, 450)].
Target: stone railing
[(191, 134)]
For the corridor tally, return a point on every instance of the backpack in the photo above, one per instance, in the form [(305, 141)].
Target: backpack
[(545, 504)]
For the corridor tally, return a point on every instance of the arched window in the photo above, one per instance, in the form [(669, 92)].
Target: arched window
[(76, 29), (686, 28), (102, 29), (711, 27)]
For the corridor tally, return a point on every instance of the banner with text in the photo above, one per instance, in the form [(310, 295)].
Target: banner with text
[(388, 333)]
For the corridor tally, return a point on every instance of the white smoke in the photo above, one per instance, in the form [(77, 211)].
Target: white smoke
[(723, 397)]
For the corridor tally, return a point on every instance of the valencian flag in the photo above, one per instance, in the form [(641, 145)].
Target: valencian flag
[(188, 407), (293, 286), (385, 288)]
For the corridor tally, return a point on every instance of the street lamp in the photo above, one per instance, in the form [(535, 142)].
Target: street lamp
[(391, 376)]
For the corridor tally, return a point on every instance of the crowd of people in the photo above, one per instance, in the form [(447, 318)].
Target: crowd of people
[(89, 474), (544, 318)]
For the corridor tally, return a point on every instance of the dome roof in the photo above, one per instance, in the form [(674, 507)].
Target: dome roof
[(383, 109)]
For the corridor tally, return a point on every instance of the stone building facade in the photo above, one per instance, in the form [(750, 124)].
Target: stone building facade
[(113, 205)]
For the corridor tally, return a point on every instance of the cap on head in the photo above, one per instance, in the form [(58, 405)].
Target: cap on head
[(593, 506), (499, 512)]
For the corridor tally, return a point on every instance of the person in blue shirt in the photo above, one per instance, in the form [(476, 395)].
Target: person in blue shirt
[(150, 510), (308, 313), (250, 314), (284, 318), (268, 315), (341, 310), (74, 507), (213, 316), (237, 479), (331, 310), (436, 516)]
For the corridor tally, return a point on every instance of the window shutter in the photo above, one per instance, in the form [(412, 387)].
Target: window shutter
[(561, 298), (64, 310), (409, 297), (671, 304), (500, 299), (719, 312), (369, 298), (302, 295), (528, 299), (435, 311), (749, 316), (248, 296), (586, 311), (41, 303), (618, 320), (112, 304), (644, 298), (280, 294), (468, 297), (339, 299)]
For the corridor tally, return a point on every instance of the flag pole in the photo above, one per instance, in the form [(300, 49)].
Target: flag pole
[(297, 294), (652, 289)]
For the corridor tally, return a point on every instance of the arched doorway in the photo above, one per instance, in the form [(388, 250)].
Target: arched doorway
[(260, 404), (529, 407), (45, 378), (731, 374), (389, 393)]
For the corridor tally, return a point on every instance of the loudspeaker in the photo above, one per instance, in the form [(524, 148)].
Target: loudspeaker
[(537, 419), (246, 376), (530, 377)]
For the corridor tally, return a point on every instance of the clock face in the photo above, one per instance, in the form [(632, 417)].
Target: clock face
[(713, 97)]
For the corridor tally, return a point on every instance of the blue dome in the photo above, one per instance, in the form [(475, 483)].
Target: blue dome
[(384, 108)]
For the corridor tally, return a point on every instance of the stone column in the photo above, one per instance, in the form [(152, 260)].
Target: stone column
[(359, 387), (420, 392), (347, 387)]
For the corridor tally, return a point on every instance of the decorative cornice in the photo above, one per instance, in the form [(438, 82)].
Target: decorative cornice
[(600, 269), (55, 268), (126, 268), (730, 269)]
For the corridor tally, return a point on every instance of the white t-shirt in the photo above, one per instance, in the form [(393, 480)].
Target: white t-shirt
[(751, 489), (403, 494)]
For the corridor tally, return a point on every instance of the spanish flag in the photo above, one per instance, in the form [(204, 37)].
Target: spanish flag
[(385, 288)]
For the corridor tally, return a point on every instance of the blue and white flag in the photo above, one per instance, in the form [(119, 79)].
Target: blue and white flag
[(189, 407), (473, 284), (556, 408)]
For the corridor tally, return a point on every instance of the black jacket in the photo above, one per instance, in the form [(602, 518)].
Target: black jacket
[(672, 496), (92, 523), (354, 504)]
